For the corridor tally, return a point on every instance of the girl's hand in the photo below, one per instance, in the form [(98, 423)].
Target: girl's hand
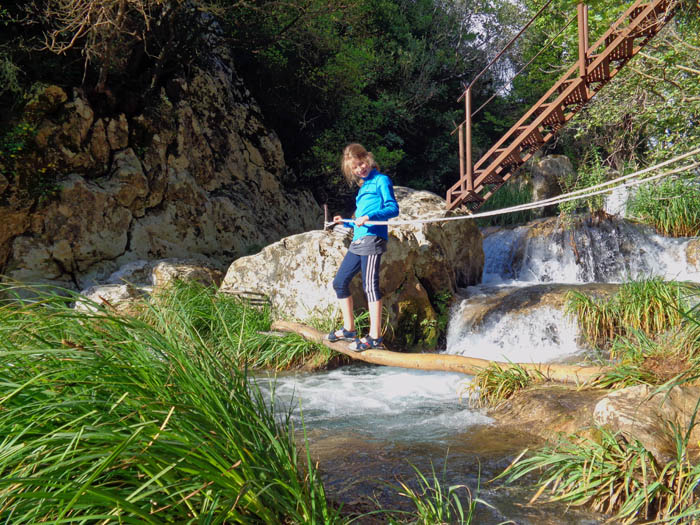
[(338, 219), (361, 220)]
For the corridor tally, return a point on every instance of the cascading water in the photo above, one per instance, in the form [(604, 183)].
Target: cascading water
[(610, 251), (368, 426)]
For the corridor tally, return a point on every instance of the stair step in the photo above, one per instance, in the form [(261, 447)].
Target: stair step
[(601, 73), (467, 196), (512, 159), (623, 50), (530, 141), (577, 97), (555, 116), (490, 178)]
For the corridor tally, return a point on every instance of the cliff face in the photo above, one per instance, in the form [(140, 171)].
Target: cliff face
[(195, 174)]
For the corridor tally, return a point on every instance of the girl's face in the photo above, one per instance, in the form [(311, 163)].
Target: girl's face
[(360, 168)]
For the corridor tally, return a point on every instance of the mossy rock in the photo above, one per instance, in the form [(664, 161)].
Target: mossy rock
[(417, 325)]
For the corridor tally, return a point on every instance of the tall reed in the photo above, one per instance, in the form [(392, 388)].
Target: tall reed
[(114, 419), (229, 326), (672, 206), (616, 476), (650, 306)]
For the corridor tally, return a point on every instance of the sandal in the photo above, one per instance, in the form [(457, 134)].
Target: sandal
[(367, 343), (346, 336)]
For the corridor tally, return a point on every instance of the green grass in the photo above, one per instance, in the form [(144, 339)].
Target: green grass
[(647, 330), (117, 419), (650, 306), (508, 195), (494, 385), (672, 206), (612, 475), (228, 326)]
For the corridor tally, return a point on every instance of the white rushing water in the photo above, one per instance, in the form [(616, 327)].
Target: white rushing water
[(613, 252), (543, 335), (608, 252), (378, 402)]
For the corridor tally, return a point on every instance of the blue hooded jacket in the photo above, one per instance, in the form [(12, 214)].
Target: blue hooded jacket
[(376, 200)]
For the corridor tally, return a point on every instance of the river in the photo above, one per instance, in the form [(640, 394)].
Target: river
[(370, 427)]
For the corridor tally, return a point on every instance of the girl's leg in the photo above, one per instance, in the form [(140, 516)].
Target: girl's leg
[(370, 282), (348, 317), (375, 319), (341, 284)]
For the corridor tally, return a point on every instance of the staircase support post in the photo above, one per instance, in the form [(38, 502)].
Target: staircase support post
[(468, 145), (582, 16)]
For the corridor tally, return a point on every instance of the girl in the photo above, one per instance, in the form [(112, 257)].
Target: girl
[(375, 201)]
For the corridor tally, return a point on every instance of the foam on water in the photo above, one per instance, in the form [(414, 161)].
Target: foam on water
[(379, 402), (543, 335)]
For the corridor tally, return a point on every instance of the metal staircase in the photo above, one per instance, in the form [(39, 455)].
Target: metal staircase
[(596, 66)]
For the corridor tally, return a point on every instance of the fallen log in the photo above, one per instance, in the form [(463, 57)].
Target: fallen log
[(444, 362)]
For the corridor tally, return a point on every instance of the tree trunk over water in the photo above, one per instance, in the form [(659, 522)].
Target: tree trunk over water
[(444, 362)]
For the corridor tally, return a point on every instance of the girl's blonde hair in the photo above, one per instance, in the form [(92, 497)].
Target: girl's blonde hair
[(355, 153)]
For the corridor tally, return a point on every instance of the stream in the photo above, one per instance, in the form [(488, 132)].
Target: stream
[(370, 427)]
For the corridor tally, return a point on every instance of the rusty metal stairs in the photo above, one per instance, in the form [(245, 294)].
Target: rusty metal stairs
[(596, 66)]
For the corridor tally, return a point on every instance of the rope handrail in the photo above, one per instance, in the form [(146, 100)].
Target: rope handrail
[(565, 197)]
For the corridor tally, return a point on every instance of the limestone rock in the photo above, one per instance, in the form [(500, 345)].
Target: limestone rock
[(198, 173), (118, 132), (84, 226), (45, 100), (165, 272), (547, 410), (160, 273), (692, 253), (547, 174), (647, 415), (127, 182), (421, 261), (486, 303), (116, 297)]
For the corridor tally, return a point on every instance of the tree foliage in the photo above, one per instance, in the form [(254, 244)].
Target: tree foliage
[(386, 73)]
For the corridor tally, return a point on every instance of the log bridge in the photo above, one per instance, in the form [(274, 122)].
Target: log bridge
[(561, 373)]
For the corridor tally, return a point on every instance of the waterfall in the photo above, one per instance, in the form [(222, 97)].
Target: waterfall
[(609, 251), (543, 335)]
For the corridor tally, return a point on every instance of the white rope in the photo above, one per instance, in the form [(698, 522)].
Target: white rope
[(574, 195)]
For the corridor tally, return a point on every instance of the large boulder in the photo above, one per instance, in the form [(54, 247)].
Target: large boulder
[(650, 416), (547, 175), (423, 262), (641, 413), (196, 173)]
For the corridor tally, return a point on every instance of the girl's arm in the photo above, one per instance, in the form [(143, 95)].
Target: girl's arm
[(390, 207)]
